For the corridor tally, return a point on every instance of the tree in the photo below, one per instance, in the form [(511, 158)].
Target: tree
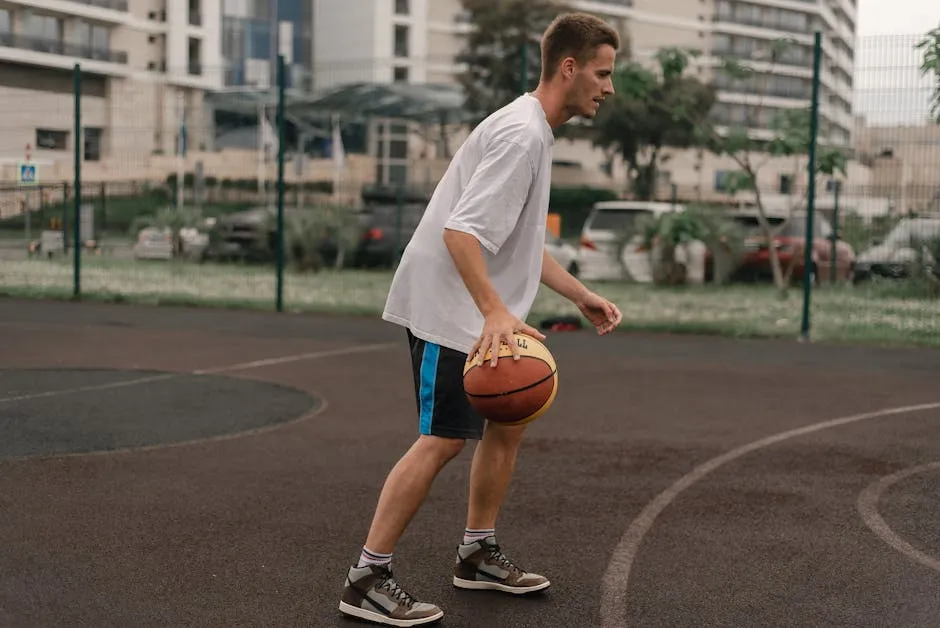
[(789, 137), (930, 64), (652, 109), (502, 51)]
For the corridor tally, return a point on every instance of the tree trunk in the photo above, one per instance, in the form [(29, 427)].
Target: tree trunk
[(666, 270), (779, 280), (644, 185)]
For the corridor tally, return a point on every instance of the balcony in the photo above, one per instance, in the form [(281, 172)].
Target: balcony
[(768, 24), (114, 5), (59, 47)]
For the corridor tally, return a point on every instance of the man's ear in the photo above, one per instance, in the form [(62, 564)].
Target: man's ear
[(568, 67)]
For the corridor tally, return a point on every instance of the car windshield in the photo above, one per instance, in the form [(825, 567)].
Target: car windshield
[(793, 227), (617, 219), (751, 224), (796, 227), (908, 231)]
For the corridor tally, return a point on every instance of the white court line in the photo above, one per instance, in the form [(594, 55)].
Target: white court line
[(613, 608), (242, 366), (868, 509), (315, 355), (81, 389)]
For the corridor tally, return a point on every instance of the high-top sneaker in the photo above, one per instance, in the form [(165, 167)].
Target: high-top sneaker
[(371, 593), (481, 565)]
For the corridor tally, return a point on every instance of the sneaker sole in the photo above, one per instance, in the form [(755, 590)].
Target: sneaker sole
[(480, 585), (362, 613)]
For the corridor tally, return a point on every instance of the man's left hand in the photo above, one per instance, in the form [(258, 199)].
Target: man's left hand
[(603, 314)]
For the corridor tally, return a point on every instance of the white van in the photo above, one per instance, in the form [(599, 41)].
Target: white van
[(599, 256)]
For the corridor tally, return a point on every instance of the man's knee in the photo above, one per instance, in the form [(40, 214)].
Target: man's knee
[(444, 449), (506, 434)]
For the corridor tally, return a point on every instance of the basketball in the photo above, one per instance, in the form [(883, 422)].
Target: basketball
[(514, 392)]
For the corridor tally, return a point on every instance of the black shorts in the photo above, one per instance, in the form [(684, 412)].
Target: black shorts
[(443, 409)]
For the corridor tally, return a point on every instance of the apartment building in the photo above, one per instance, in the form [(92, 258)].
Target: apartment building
[(418, 40), (255, 33), (145, 64)]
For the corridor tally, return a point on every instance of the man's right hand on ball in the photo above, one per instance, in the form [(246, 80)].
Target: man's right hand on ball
[(499, 326)]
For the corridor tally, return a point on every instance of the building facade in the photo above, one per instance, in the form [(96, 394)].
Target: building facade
[(253, 35), (418, 40), (145, 64)]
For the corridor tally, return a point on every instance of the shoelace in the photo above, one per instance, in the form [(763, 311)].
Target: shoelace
[(502, 560), (396, 591)]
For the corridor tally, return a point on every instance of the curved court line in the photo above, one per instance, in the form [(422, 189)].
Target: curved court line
[(613, 607), (868, 508), (242, 366), (321, 406)]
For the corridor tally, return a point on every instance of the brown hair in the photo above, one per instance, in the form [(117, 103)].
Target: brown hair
[(577, 35)]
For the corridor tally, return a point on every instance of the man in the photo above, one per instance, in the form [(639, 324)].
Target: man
[(466, 282)]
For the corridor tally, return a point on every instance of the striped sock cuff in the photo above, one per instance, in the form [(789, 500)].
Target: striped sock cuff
[(470, 535), (368, 557)]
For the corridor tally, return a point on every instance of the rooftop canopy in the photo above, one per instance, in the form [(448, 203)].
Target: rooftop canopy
[(429, 103)]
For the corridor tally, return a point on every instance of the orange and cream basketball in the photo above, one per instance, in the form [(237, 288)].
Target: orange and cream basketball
[(513, 392)]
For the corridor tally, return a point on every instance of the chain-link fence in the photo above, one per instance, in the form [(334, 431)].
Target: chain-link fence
[(888, 222), (273, 198), (238, 197)]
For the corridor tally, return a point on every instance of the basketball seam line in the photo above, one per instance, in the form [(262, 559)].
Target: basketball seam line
[(512, 392)]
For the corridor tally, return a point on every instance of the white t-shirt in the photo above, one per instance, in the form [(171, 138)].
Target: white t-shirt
[(495, 188)]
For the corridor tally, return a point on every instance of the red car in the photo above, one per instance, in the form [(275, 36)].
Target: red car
[(789, 240)]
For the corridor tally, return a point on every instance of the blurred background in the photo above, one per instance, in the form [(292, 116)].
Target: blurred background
[(696, 173)]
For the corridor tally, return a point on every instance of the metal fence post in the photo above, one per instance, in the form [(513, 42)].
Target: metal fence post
[(808, 275), (77, 215), (281, 123), (835, 232)]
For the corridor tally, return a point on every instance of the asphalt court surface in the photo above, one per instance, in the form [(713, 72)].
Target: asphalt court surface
[(163, 466)]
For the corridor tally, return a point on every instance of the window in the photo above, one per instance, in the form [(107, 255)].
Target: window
[(92, 143), (401, 74), (81, 33), (786, 184), (401, 41), (100, 38), (611, 219), (44, 27), (52, 139), (5, 24), (401, 7)]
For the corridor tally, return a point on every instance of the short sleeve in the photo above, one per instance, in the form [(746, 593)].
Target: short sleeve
[(495, 195)]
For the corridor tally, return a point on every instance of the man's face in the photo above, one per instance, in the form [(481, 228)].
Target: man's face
[(591, 83)]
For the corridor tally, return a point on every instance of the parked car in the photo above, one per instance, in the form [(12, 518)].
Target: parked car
[(251, 236), (600, 255), (908, 242), (154, 243), (563, 253), (789, 240), (384, 233)]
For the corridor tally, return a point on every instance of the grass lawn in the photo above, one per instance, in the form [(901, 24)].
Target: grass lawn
[(857, 315)]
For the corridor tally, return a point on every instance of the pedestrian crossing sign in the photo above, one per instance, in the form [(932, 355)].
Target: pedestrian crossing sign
[(27, 173)]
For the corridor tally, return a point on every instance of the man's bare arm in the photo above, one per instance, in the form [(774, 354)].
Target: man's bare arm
[(468, 257), (560, 280)]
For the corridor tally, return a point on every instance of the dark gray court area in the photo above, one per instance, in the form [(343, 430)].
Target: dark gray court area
[(66, 411)]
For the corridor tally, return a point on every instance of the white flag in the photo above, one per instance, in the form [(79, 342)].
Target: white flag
[(269, 138), (339, 153)]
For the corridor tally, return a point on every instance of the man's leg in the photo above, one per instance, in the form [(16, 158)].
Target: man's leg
[(406, 488), (494, 462), (481, 564), (371, 592)]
